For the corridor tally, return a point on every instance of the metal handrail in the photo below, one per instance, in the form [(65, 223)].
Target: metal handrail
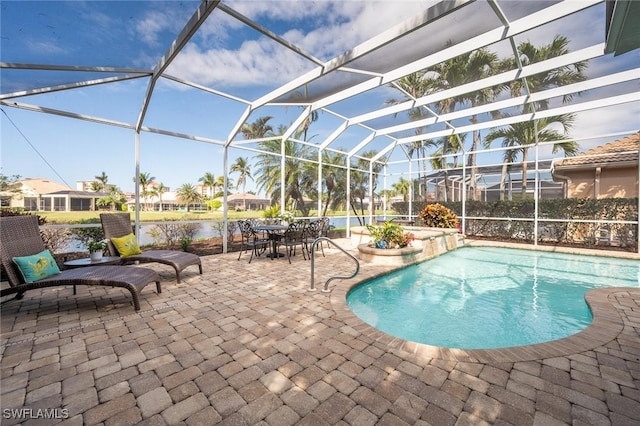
[(312, 254)]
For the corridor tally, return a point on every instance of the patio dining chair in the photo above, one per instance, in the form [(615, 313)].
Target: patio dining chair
[(121, 242), (312, 231), (251, 240), (29, 265), (291, 239)]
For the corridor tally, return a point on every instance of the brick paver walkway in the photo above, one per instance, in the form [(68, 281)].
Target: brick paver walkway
[(248, 344)]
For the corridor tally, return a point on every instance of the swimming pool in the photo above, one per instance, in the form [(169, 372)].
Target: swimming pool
[(489, 297)]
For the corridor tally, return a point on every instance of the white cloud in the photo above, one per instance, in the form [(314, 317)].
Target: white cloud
[(322, 28)]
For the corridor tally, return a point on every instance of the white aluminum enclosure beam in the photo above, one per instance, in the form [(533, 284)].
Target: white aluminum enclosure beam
[(529, 22), (505, 77), (583, 106), (197, 19), (275, 37), (409, 25), (519, 101), (362, 144), (75, 85)]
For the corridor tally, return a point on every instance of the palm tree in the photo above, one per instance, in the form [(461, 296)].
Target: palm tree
[(450, 146), (561, 76), (360, 188), (385, 194), (258, 129), (188, 194), (527, 134), (103, 179), (298, 178), (419, 148), (463, 69), (145, 180), (95, 186), (402, 187), (242, 167), (209, 182), (334, 179), (159, 190)]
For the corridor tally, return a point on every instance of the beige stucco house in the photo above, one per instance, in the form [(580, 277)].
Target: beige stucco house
[(246, 201), (38, 194), (607, 171)]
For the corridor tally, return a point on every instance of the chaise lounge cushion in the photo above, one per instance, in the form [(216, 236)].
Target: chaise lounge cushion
[(37, 266)]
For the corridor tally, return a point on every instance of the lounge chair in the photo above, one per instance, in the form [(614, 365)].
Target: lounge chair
[(20, 236), (118, 225)]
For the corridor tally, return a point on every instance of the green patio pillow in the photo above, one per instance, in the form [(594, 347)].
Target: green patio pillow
[(37, 266), (127, 245)]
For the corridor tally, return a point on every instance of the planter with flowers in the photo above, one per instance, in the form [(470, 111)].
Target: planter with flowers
[(389, 244), (389, 236)]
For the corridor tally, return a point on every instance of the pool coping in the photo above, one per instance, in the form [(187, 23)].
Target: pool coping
[(607, 324)]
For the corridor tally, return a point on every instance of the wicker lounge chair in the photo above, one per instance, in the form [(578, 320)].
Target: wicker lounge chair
[(20, 236), (117, 225)]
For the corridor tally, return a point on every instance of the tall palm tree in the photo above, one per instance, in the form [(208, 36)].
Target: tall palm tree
[(297, 177), (258, 129), (450, 147), (103, 179), (188, 194), (145, 180), (334, 179), (463, 69), (159, 190), (526, 134), (360, 187), (209, 182), (402, 187), (419, 149), (562, 76), (242, 167), (568, 74)]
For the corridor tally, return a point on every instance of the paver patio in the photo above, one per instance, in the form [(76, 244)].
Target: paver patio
[(248, 344)]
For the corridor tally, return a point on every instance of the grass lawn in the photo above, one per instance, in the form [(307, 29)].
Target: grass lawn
[(54, 218)]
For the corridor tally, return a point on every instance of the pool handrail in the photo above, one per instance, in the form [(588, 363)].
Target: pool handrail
[(312, 254)]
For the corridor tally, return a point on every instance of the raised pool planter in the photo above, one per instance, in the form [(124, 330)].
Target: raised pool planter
[(429, 243)]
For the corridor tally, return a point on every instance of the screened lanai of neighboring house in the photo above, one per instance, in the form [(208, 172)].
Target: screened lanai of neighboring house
[(371, 93)]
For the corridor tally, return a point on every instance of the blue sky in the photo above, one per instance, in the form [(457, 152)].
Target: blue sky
[(224, 55)]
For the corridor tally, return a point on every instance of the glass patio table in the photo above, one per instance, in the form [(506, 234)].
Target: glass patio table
[(274, 233)]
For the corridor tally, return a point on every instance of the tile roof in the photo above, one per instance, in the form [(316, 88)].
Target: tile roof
[(625, 149)]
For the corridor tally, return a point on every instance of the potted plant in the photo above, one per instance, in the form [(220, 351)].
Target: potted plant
[(96, 248), (287, 217)]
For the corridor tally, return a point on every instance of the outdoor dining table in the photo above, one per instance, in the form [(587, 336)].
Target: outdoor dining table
[(274, 233)]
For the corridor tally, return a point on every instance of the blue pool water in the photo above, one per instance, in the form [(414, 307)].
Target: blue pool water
[(480, 298)]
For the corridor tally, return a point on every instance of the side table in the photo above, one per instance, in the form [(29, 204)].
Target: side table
[(80, 263)]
